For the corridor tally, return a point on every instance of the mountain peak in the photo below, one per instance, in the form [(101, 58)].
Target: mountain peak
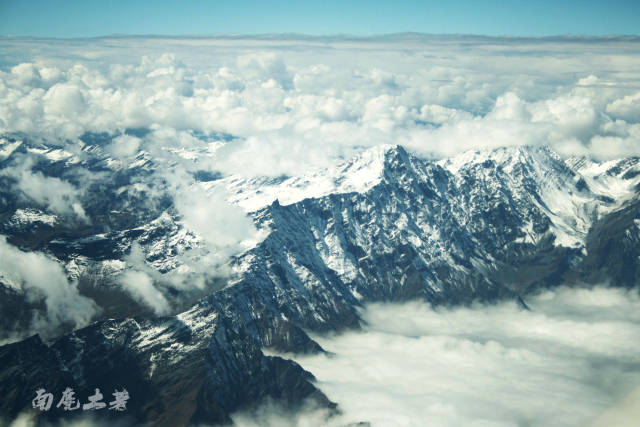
[(505, 157), (358, 174)]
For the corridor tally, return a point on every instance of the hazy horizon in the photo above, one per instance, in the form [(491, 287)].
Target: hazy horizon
[(94, 18)]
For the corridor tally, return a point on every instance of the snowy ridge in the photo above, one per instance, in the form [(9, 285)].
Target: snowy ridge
[(356, 175), (7, 147), (614, 179), (454, 217), (24, 217), (539, 176)]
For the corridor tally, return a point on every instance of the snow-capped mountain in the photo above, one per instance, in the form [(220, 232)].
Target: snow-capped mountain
[(384, 226)]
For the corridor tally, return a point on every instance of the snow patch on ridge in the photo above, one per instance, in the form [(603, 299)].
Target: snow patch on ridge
[(571, 208), (28, 216), (7, 147), (359, 175), (616, 179)]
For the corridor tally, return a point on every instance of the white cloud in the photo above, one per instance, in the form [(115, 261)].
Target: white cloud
[(64, 100), (141, 287), (627, 108), (271, 414), (225, 228), (40, 277), (31, 419), (138, 281), (60, 196), (264, 67), (124, 146), (298, 103), (571, 360), (26, 74)]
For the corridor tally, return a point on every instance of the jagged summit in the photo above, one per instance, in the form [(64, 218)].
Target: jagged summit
[(505, 157), (362, 172), (358, 174)]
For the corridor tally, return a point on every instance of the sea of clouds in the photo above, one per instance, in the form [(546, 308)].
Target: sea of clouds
[(573, 359), (298, 102)]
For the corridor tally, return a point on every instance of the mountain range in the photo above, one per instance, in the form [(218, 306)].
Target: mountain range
[(386, 225)]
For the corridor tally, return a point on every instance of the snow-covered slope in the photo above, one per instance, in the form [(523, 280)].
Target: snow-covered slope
[(537, 178), (615, 179), (356, 175)]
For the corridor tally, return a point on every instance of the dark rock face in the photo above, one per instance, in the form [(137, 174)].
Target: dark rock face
[(613, 249), (480, 227), (178, 371)]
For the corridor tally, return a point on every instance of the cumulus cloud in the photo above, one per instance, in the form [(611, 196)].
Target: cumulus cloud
[(202, 207), (64, 100), (295, 103), (138, 281), (124, 146), (41, 278), (570, 361), (627, 108), (265, 67), (210, 215), (141, 287), (224, 229), (60, 196)]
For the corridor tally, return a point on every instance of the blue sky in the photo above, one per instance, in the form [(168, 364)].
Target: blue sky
[(88, 18)]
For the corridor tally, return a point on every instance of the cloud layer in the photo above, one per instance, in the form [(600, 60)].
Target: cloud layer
[(293, 103), (570, 361)]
